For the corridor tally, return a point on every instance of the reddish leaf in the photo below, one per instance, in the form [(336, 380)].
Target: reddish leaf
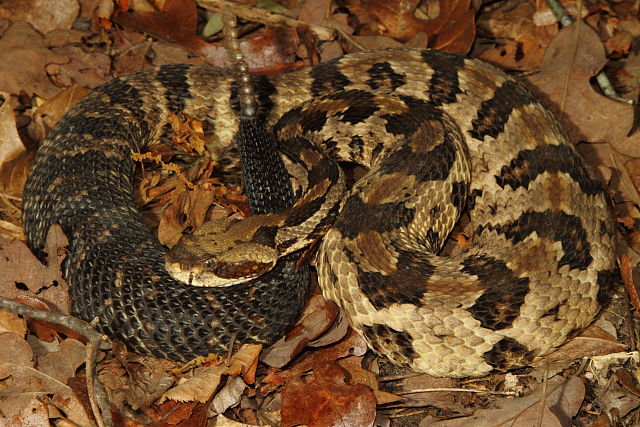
[(453, 29), (328, 400), (318, 316), (176, 22)]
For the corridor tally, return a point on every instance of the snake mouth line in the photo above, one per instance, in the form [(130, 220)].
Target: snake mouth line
[(212, 273)]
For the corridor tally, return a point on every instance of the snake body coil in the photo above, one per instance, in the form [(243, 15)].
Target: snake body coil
[(439, 132)]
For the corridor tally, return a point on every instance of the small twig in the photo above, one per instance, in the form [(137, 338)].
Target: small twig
[(232, 342), (458, 390), (608, 90), (265, 17), (398, 377), (559, 12), (632, 298), (344, 34), (627, 278), (543, 396), (582, 367), (97, 397)]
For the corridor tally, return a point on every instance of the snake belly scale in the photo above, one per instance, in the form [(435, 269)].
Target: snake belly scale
[(438, 132)]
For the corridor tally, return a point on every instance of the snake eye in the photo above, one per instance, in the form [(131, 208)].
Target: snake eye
[(207, 263)]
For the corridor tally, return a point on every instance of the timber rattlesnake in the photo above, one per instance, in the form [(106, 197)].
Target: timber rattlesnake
[(440, 133)]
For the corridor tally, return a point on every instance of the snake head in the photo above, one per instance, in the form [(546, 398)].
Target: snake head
[(222, 253)]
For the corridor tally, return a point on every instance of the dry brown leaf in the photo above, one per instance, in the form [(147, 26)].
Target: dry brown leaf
[(201, 386), (183, 200), (315, 12), (57, 38), (104, 9), (10, 322), (456, 27), (525, 54), (230, 395), (613, 396), (14, 172), (187, 134), (507, 20), (16, 362), (83, 68), (633, 169), (272, 51), (22, 381), (545, 16), (177, 413), (588, 116), (63, 363), (47, 115), (247, 357), (135, 49), (317, 317), (628, 381), (135, 381), (562, 401), (376, 42), (34, 414), (453, 29), (205, 380), (45, 331), (172, 21), (74, 411), (22, 271), (600, 367), (15, 350), (359, 375), (593, 341), (409, 388), (177, 22), (336, 332), (43, 15), (222, 421), (10, 144), (628, 75), (22, 48), (619, 45), (14, 159), (516, 43), (188, 208), (168, 53), (352, 345)]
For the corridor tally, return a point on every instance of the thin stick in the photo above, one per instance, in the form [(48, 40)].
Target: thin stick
[(543, 396), (97, 397), (459, 390)]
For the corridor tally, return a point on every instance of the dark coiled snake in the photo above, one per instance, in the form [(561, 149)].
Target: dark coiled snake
[(438, 133)]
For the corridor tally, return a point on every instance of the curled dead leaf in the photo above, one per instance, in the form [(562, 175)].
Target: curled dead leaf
[(329, 400), (205, 380)]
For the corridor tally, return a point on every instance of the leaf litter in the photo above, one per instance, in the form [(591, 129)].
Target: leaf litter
[(321, 372)]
